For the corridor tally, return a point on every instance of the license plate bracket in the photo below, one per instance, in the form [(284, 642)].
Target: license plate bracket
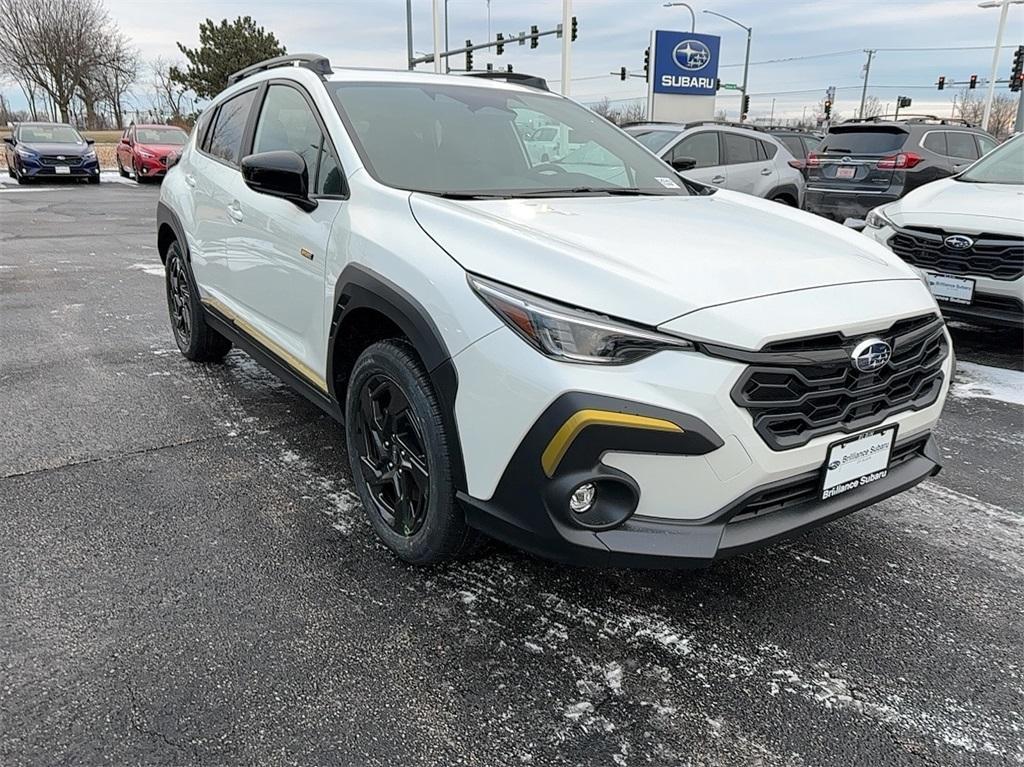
[(951, 289), (857, 461), (846, 171), (62, 170)]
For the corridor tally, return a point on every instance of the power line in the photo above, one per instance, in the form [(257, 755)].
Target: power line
[(858, 50)]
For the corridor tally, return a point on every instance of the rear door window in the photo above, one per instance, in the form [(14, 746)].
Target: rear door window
[(936, 142), (962, 145), (702, 147), (769, 150), (864, 141), (794, 145), (225, 141), (987, 144), (739, 149)]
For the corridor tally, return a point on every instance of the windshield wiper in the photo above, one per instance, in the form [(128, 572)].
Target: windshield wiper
[(622, 191)]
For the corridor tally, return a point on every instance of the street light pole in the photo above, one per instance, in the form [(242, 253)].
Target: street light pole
[(566, 46), (408, 30), (1004, 5), (746, 60), (693, 18), (439, 25)]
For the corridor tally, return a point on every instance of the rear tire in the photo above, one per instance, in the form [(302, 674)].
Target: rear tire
[(784, 200), (400, 457), (195, 338)]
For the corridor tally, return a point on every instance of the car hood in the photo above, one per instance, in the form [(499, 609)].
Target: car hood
[(160, 149), (48, 148), (949, 202), (651, 259)]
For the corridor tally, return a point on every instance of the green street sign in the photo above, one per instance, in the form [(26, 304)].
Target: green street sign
[(730, 87)]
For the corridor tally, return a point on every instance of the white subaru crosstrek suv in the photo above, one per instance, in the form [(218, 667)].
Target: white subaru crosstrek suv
[(639, 372), (967, 234)]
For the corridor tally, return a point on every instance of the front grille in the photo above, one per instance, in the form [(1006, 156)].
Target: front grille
[(804, 489), (999, 256), (798, 390), (52, 159)]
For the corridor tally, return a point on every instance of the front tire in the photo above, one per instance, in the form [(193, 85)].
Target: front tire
[(400, 456), (195, 338), (120, 169)]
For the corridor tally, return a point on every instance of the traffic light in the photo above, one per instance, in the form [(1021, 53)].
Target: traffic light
[(718, 83), (575, 30), (973, 83), (622, 74), (534, 31), (500, 47), (1017, 76), (508, 68), (647, 64), (746, 105), (828, 109), (469, 56), (942, 82)]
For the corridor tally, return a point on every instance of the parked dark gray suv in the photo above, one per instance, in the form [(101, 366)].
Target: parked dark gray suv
[(866, 163)]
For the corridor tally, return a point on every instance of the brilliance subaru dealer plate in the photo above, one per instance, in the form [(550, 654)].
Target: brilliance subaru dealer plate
[(857, 461), (955, 290), (59, 169), (846, 171)]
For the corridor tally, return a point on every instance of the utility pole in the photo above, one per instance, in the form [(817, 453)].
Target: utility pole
[(1004, 6), (566, 47), (439, 25), (408, 31), (867, 73), (771, 118)]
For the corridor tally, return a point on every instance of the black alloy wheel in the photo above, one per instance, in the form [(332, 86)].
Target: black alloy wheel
[(180, 294), (392, 455)]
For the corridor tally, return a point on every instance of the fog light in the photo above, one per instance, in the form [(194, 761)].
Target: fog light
[(582, 498)]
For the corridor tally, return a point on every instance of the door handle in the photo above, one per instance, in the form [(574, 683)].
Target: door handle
[(718, 180), (766, 171), (235, 212), (190, 180)]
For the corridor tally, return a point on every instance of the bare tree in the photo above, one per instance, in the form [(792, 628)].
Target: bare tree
[(51, 44), (872, 107), (117, 73), (170, 96), (970, 106), (606, 110)]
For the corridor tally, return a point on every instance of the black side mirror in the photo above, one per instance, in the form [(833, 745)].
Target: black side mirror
[(683, 163), (90, 141), (280, 174), (9, 140)]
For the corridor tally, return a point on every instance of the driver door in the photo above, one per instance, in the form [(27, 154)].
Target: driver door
[(704, 147)]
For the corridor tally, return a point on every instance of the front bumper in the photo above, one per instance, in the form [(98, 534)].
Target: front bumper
[(151, 168), (33, 168), (653, 543), (722, 491)]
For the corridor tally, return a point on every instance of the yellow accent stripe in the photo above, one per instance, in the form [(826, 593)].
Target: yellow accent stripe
[(565, 436), (289, 359)]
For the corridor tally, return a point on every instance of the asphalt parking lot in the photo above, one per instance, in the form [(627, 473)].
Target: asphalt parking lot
[(186, 576)]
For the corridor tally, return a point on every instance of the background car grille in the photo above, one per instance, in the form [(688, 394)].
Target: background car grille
[(798, 390), (52, 159), (993, 255)]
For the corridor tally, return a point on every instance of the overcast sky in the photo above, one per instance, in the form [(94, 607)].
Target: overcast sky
[(614, 33)]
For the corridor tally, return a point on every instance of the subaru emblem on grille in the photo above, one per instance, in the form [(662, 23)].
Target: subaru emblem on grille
[(60, 157), (870, 355), (959, 242)]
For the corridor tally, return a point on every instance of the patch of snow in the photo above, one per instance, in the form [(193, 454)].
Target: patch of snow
[(290, 456), (975, 381), (157, 270), (577, 710), (613, 677), (536, 649)]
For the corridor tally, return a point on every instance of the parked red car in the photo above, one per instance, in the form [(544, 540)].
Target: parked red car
[(143, 150)]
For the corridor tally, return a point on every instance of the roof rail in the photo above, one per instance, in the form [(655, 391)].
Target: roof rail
[(912, 118), (745, 126), (314, 61), (514, 78)]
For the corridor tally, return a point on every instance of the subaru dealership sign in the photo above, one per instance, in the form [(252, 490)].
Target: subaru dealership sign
[(685, 63)]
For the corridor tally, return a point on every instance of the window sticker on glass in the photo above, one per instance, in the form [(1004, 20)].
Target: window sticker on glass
[(666, 182)]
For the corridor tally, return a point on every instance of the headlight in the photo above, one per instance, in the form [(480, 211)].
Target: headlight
[(877, 219), (572, 335), (90, 155), (145, 154), (28, 154)]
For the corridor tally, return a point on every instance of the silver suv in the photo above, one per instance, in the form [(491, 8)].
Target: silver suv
[(727, 156)]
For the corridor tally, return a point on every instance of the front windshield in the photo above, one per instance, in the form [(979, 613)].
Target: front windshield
[(174, 136), (466, 140), (653, 139), (1003, 165), (49, 134)]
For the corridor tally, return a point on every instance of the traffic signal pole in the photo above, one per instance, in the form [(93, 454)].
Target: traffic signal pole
[(566, 47), (1005, 9)]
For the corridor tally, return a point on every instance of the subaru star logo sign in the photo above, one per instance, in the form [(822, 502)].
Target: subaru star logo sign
[(959, 242), (685, 63), (870, 355), (691, 55)]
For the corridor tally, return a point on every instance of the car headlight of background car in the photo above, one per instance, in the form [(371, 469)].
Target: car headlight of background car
[(28, 154), (877, 219), (90, 155), (146, 155), (572, 335)]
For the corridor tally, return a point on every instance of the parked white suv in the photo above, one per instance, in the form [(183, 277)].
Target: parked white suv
[(967, 234), (727, 156), (645, 372)]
